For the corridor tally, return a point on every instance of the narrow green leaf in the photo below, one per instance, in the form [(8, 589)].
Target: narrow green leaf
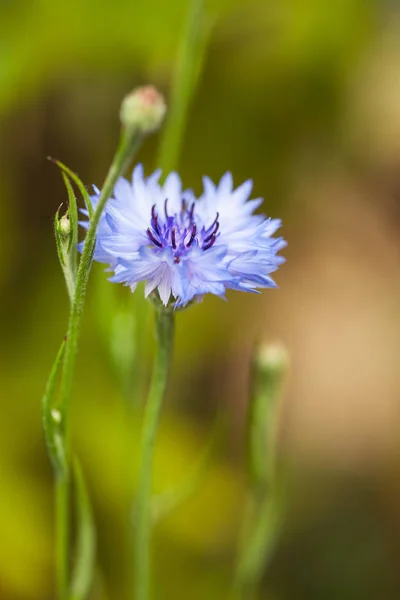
[(85, 552), (60, 249), (53, 419), (73, 218), (77, 181)]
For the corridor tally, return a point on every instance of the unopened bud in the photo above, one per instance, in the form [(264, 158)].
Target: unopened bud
[(64, 226), (143, 110), (272, 358)]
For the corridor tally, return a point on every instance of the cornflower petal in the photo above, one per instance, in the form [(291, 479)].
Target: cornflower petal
[(183, 247)]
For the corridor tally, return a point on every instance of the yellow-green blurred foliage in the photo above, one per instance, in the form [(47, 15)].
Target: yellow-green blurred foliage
[(302, 96)]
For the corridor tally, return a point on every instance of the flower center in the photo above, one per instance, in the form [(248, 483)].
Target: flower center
[(180, 230)]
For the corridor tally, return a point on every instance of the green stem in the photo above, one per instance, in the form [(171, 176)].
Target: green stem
[(263, 507), (164, 335), (62, 534), (259, 546), (125, 151)]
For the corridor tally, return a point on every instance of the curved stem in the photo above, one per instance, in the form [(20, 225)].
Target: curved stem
[(164, 335), (125, 151), (122, 158)]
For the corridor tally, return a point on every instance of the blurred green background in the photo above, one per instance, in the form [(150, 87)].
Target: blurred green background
[(303, 97)]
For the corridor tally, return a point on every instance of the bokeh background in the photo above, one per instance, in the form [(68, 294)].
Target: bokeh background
[(303, 97)]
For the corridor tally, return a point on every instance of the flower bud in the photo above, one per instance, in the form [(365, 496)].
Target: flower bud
[(272, 358), (143, 110), (66, 249), (64, 226)]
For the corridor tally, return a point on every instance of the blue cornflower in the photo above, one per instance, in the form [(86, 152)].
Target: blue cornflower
[(185, 247)]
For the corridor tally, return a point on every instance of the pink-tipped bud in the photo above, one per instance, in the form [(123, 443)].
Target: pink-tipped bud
[(143, 110)]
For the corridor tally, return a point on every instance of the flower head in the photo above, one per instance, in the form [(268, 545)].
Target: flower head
[(183, 247), (143, 110)]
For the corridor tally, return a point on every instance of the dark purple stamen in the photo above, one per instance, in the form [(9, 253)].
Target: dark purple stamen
[(180, 233), (208, 238), (215, 221), (154, 217), (213, 233), (210, 243), (194, 231), (153, 239), (191, 212)]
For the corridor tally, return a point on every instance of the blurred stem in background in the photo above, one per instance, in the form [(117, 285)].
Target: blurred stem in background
[(186, 76), (123, 323), (264, 507), (141, 113), (164, 331)]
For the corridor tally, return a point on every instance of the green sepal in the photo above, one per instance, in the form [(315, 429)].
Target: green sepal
[(67, 241), (66, 254), (60, 239)]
